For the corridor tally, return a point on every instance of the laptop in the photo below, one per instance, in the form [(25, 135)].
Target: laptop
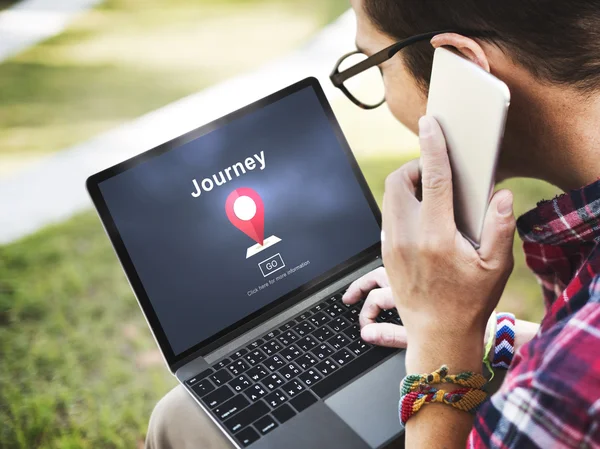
[(239, 239)]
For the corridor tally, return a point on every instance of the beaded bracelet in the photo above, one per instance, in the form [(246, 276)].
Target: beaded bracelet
[(413, 382), (465, 399), (504, 349)]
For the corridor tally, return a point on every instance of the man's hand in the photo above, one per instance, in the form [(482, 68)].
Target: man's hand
[(375, 287), (444, 289)]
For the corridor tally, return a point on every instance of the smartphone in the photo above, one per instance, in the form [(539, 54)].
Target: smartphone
[(471, 106)]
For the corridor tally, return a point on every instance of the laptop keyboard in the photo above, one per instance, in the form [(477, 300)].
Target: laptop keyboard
[(256, 389)]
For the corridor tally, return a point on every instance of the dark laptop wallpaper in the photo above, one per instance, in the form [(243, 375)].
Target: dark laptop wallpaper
[(228, 223)]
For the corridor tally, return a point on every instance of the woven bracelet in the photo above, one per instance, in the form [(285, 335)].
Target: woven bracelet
[(504, 348), (413, 382), (465, 399)]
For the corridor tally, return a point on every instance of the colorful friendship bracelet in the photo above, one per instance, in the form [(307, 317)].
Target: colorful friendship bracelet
[(413, 382), (504, 348), (465, 399)]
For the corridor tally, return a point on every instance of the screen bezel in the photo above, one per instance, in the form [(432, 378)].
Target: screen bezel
[(235, 330)]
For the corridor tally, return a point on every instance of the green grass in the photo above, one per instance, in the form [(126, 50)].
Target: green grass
[(127, 57), (79, 366)]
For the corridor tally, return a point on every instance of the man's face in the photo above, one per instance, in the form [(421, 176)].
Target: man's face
[(404, 97)]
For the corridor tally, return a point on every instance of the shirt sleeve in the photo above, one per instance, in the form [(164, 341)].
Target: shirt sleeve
[(550, 396)]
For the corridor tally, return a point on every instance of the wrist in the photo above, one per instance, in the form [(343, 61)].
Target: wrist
[(459, 352)]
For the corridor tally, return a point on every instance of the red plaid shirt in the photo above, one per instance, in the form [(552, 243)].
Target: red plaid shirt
[(550, 397)]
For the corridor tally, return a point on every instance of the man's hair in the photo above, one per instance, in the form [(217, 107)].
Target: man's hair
[(558, 41)]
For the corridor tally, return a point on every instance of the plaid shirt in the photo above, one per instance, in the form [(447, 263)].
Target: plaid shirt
[(550, 397)]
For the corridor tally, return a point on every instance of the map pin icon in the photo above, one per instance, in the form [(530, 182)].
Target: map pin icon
[(245, 210)]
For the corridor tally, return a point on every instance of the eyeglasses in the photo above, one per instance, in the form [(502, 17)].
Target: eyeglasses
[(367, 90)]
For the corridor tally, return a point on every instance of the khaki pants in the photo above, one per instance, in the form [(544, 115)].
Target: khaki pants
[(177, 422)]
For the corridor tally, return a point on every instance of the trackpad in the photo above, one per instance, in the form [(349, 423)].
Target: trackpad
[(369, 405)]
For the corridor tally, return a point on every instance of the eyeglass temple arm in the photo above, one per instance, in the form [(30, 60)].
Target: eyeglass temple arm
[(380, 57)]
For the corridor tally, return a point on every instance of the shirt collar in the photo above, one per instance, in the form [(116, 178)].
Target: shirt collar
[(572, 217)]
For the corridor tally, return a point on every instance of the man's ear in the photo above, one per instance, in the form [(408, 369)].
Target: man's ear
[(465, 45)]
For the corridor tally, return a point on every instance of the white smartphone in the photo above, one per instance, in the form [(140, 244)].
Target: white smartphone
[(471, 106)]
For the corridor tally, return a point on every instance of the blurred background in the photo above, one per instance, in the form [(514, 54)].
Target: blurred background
[(78, 366)]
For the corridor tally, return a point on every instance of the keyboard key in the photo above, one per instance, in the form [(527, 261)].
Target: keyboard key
[(318, 307), (307, 343), (247, 436), (293, 388), (272, 334), (287, 338), (352, 315), (240, 383), (238, 367), (256, 344), (310, 377), (352, 369), (265, 425), (339, 324), (203, 387), (303, 401), (200, 376), (273, 381), (221, 377), (319, 319), (290, 371), (291, 353), (322, 333), (322, 351), (255, 392), (231, 407), (222, 364), (326, 367), (246, 416), (218, 396), (255, 357), (331, 300), (283, 413), (238, 354), (276, 398), (304, 316), (274, 363), (353, 332), (342, 357), (359, 347), (287, 326), (304, 328), (338, 342), (271, 347), (257, 373), (334, 310), (306, 361)]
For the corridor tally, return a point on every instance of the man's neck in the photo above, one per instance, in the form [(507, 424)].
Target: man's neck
[(556, 134)]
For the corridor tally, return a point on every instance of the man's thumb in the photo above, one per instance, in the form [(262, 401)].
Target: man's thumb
[(498, 229)]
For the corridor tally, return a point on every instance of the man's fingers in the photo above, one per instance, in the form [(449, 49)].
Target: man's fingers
[(377, 300), (436, 176), (384, 334), (498, 229), (360, 288)]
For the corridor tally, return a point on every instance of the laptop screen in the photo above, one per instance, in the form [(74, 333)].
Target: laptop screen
[(224, 225)]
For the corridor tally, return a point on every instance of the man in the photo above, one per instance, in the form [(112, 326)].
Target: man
[(548, 53)]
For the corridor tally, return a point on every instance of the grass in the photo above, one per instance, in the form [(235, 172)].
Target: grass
[(79, 366), (127, 57)]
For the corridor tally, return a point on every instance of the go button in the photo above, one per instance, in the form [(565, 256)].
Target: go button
[(271, 265)]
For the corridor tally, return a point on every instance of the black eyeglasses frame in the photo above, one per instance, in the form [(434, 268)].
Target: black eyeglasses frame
[(338, 78)]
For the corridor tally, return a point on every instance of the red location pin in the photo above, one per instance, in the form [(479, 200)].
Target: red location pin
[(245, 210)]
